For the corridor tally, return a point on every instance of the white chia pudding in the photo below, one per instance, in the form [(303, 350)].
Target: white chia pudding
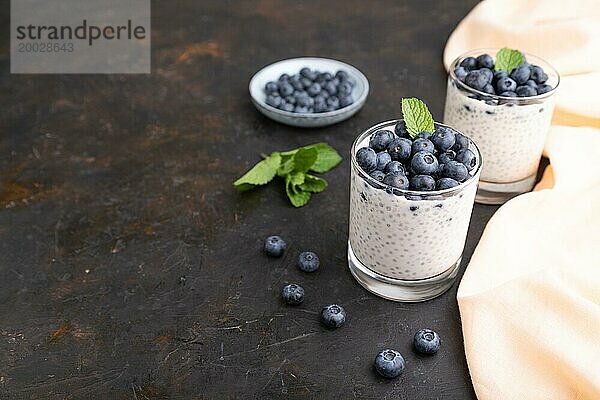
[(511, 137), (504, 100), (405, 234)]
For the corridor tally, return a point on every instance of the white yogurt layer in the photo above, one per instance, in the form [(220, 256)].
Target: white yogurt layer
[(407, 239), (510, 137)]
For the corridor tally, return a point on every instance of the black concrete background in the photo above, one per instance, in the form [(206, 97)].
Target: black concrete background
[(130, 267)]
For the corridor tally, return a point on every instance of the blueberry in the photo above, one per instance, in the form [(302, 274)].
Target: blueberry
[(396, 179), (469, 63), (285, 106), (445, 183), (378, 175), (526, 91), (326, 76), (331, 88), (308, 261), (346, 100), (300, 93), (485, 61), (443, 138), (342, 75), (293, 294), (422, 145), (333, 316), (448, 155), (306, 83), (273, 101), (394, 166), (455, 170), (424, 135), (285, 89), (506, 84), (305, 101), (427, 341), (333, 103), (290, 99), (460, 73), (274, 246), (462, 142), (538, 74), (422, 183), (489, 75), (424, 163), (489, 89), (389, 363), (284, 78), (400, 130), (366, 158), (344, 88), (308, 73), (301, 109), (271, 87), (499, 75), (314, 89), (380, 140), (466, 157), (508, 94), (521, 74), (383, 159), (296, 83), (320, 106), (531, 83), (476, 80), (544, 89)]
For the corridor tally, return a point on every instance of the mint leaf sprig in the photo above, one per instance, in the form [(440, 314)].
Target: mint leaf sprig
[(416, 116), (293, 167), (508, 59)]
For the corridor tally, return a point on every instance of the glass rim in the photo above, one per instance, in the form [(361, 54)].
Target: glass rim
[(528, 56), (415, 193)]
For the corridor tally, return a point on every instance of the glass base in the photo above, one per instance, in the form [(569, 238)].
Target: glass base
[(401, 290), (500, 193)]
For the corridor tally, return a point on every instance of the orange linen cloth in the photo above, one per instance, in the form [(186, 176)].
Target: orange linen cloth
[(530, 297)]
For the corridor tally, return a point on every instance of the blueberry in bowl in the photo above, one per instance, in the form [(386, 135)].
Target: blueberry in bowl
[(309, 91)]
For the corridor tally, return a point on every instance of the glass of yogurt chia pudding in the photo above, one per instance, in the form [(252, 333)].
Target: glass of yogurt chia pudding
[(508, 122), (406, 244)]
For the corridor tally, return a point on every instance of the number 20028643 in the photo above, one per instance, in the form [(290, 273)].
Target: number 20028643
[(45, 47)]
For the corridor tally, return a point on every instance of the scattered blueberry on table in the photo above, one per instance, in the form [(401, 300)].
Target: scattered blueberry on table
[(310, 91), (293, 294), (308, 261), (274, 246), (389, 363), (510, 75), (427, 341), (333, 316)]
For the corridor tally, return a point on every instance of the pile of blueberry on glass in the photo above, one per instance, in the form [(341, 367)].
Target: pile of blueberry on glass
[(437, 161), (525, 80), (388, 363), (310, 91)]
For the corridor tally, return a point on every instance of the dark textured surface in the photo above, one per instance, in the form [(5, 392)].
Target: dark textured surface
[(130, 267)]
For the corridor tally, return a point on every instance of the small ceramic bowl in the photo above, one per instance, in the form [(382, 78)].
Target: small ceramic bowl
[(291, 66)]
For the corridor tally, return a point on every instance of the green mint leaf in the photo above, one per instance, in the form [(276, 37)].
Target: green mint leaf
[(508, 59), (313, 184), (260, 174), (304, 159), (286, 167), (298, 198), (296, 179), (416, 116), (327, 158)]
